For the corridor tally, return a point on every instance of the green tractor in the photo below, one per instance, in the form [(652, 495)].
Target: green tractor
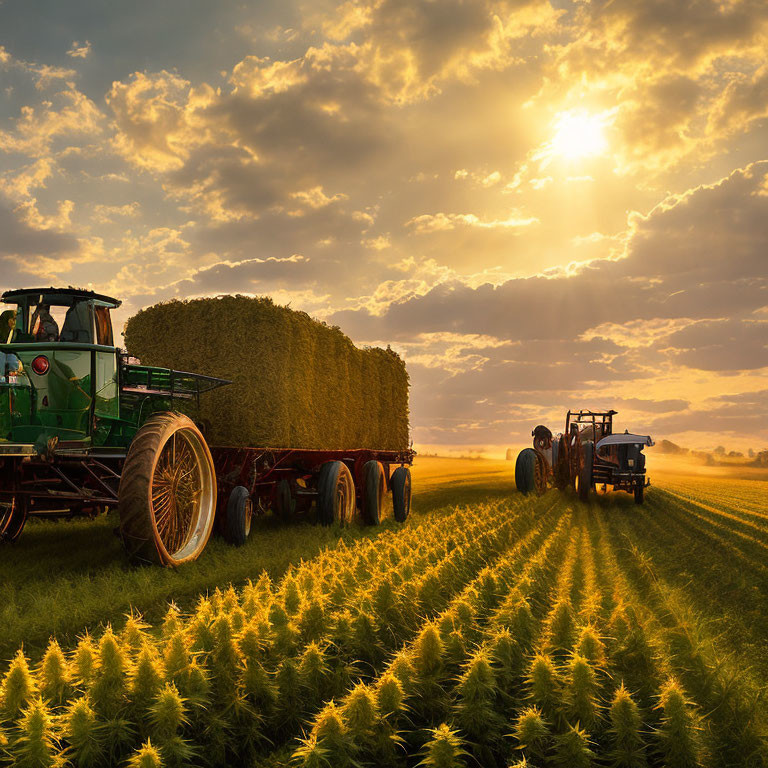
[(83, 428)]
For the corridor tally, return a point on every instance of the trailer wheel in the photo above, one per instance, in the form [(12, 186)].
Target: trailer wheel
[(639, 494), (285, 504), (237, 526), (374, 488), (13, 516), (335, 494), (167, 493), (525, 470), (584, 475), (401, 493)]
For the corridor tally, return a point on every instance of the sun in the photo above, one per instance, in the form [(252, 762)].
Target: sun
[(578, 134)]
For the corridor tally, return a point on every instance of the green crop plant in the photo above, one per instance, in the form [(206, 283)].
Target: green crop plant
[(54, 676), (532, 734), (167, 716), (134, 633), (110, 680), (18, 687), (572, 749), (508, 661), (562, 629), (290, 706), (516, 614), (312, 622), (590, 646), (81, 731), (146, 678), (330, 732), (581, 693), (36, 745), (476, 706), (625, 733), (678, 736), (314, 675), (543, 686), (172, 621), (147, 756), (444, 749), (176, 659)]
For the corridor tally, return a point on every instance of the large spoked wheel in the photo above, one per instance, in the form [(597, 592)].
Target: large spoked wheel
[(167, 494), (401, 493), (374, 490), (13, 516), (335, 494)]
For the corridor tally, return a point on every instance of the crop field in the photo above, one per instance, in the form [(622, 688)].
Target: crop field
[(492, 629)]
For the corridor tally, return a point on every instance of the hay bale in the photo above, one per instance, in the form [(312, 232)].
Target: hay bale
[(297, 383)]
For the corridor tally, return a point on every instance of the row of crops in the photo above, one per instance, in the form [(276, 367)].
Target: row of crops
[(525, 633)]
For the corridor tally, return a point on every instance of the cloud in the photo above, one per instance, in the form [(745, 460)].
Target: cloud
[(410, 50), (70, 115), (156, 121), (19, 239), (427, 223), (79, 50), (42, 74), (722, 345), (105, 213), (699, 255)]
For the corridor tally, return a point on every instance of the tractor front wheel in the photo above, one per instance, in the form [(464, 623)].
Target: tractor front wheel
[(167, 493), (639, 494)]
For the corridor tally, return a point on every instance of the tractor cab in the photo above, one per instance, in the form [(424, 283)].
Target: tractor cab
[(57, 314), (58, 366)]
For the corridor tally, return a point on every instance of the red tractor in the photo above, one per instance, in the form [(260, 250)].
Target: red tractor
[(586, 455)]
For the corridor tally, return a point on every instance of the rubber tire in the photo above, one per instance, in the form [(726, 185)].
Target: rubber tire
[(374, 488), (525, 467), (285, 504), (639, 494), (585, 470), (331, 473), (237, 525), (561, 469), (400, 483), (137, 529)]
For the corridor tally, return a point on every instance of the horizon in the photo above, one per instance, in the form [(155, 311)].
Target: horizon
[(539, 205)]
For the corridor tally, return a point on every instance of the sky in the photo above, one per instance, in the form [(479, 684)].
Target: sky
[(540, 205)]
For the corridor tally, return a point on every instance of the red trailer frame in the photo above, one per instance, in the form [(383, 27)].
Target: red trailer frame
[(286, 480)]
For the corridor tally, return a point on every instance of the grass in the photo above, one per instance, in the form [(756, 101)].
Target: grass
[(492, 629)]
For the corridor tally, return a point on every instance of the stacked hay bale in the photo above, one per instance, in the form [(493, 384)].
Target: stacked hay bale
[(297, 383)]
